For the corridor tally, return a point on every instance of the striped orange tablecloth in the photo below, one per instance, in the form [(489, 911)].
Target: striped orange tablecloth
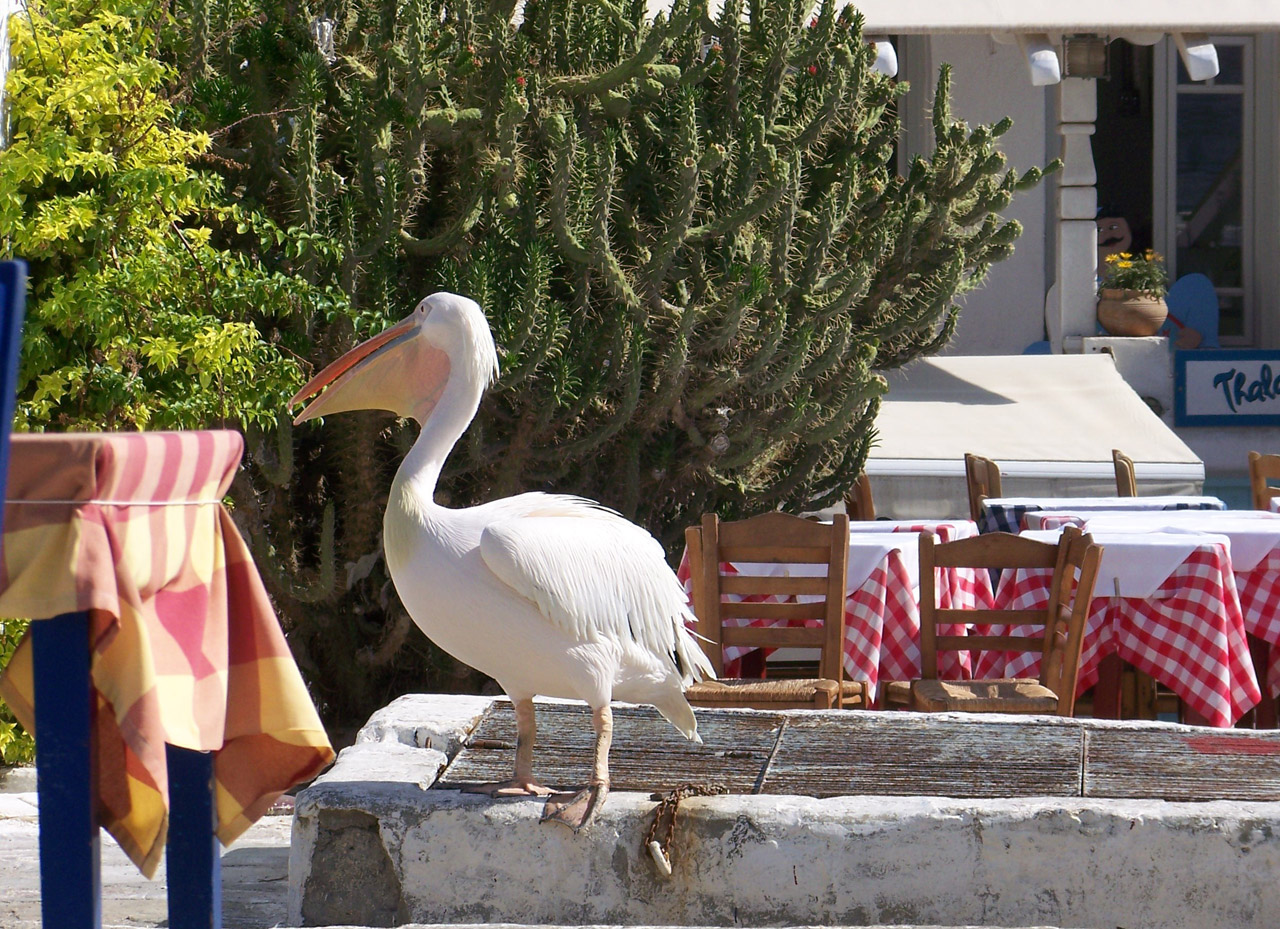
[(186, 648)]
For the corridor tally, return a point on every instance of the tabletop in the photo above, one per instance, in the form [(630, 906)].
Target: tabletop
[(1164, 602), (186, 648), (1005, 514)]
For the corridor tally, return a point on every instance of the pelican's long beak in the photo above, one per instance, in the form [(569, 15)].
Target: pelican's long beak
[(395, 370)]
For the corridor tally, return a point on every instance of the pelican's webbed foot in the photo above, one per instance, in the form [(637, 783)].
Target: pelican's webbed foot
[(575, 810)]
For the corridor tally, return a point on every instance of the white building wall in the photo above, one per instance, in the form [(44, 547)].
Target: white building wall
[(991, 81)]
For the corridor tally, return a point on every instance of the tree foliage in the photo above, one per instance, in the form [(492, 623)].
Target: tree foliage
[(155, 301)]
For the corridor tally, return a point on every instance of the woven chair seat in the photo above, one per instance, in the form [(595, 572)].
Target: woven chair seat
[(895, 694), (853, 694), (802, 693), (1007, 695)]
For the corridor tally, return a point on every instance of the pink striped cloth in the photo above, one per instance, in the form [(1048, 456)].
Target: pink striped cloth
[(186, 646)]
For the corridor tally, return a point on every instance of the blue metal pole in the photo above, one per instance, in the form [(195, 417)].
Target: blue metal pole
[(193, 856), (66, 774)]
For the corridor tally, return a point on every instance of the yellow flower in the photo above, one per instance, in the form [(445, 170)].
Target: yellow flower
[(1124, 264), (1112, 258), (1125, 255)]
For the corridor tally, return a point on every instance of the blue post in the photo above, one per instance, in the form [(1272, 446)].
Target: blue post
[(13, 296), (66, 774), (192, 858)]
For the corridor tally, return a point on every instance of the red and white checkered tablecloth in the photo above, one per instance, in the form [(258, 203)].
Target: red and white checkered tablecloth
[(1189, 635), (1259, 591), (882, 620)]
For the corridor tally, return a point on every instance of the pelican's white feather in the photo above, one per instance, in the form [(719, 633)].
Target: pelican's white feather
[(595, 575)]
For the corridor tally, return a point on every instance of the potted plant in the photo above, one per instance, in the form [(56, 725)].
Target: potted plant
[(1131, 294)]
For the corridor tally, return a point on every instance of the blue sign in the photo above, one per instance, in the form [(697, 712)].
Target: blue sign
[(1226, 387)]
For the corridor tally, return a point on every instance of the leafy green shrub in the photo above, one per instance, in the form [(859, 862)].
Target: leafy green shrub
[(155, 302), (16, 744)]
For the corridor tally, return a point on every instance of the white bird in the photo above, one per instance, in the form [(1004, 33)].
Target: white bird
[(547, 594)]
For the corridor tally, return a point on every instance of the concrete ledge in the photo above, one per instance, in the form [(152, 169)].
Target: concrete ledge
[(17, 780), (373, 846), (525, 925)]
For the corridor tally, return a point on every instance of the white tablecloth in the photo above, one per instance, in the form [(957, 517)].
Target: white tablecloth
[(1135, 564)]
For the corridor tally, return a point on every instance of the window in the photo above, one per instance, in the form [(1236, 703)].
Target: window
[(1204, 178)]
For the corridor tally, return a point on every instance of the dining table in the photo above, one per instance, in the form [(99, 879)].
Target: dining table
[(165, 701), (1255, 561), (1166, 602), (882, 608), (1007, 514)]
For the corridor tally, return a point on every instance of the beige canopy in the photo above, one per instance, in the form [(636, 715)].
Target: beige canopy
[(1049, 421), (890, 17)]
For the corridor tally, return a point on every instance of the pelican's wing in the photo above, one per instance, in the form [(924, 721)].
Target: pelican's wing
[(596, 576)]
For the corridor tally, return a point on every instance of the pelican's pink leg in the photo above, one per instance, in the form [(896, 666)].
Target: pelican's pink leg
[(577, 810), (522, 784)]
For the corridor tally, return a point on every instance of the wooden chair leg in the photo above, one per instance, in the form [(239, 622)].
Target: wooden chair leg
[(1264, 714), (1107, 692)]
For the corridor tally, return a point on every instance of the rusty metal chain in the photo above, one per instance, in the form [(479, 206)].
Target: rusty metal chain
[(664, 822)]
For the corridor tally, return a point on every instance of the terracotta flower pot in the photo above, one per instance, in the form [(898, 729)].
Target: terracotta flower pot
[(1129, 312)]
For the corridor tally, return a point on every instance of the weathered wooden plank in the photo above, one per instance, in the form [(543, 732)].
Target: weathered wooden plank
[(909, 754), (902, 754), (648, 753), (1182, 764)]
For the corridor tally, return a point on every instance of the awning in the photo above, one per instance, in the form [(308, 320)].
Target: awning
[(1038, 27), (1049, 421), (1056, 18)]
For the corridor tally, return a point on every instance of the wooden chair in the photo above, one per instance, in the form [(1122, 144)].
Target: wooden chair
[(983, 477), (1058, 638), (858, 502), (1126, 481), (752, 546), (1264, 475)]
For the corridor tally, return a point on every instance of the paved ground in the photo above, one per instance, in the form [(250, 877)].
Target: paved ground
[(255, 875)]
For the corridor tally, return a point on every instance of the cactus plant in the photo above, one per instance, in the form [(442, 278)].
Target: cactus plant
[(689, 232)]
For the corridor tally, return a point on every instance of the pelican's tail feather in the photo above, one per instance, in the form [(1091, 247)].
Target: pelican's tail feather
[(691, 661), (676, 710)]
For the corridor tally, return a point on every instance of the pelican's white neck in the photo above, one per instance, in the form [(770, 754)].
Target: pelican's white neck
[(420, 470)]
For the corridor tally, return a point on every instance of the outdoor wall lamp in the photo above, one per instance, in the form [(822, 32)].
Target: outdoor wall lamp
[(1084, 55)]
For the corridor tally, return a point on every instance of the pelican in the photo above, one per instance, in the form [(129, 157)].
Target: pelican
[(547, 594)]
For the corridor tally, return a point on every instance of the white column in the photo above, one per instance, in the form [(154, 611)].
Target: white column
[(1073, 313)]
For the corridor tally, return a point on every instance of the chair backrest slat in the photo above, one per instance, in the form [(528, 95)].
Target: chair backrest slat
[(767, 540), (774, 636), (773, 586), (746, 609)]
